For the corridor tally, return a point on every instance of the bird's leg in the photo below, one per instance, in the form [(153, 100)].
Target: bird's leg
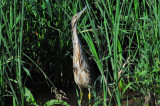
[(81, 94), (89, 94)]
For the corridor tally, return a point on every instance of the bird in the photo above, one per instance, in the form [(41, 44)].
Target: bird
[(83, 75)]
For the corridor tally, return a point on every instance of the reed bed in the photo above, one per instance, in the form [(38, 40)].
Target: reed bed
[(121, 37)]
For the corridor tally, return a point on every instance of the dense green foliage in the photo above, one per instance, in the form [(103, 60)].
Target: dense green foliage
[(122, 37)]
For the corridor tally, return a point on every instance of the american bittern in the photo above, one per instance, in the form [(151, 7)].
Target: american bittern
[(83, 75)]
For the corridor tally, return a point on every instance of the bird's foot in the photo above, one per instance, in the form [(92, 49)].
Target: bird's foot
[(89, 96)]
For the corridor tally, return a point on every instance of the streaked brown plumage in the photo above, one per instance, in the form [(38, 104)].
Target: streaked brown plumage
[(81, 69)]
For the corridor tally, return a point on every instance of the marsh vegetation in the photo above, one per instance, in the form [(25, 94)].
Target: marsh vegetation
[(121, 39)]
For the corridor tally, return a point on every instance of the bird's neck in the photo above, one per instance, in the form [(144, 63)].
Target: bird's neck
[(79, 58), (76, 42)]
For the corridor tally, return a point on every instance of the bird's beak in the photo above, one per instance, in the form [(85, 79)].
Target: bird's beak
[(77, 16), (80, 13)]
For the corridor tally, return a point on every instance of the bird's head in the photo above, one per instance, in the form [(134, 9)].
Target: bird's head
[(76, 17)]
